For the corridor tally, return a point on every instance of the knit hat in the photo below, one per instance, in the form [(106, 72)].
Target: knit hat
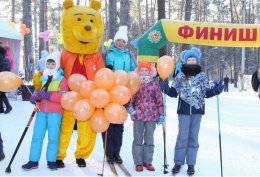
[(148, 66), (56, 57), (193, 52), (121, 34), (144, 64)]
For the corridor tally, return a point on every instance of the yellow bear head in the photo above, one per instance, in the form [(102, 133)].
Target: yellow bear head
[(81, 27)]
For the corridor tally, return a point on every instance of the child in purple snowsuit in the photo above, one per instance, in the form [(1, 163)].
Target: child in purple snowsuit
[(146, 109)]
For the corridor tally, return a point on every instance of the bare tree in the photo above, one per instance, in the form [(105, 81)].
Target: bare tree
[(188, 7), (124, 12), (35, 28), (28, 44), (13, 10), (161, 15), (112, 18), (41, 25)]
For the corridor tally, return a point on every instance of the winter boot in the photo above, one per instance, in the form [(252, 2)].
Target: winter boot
[(176, 168), (118, 159), (52, 165), (1, 105), (8, 109), (81, 162), (30, 165), (60, 164), (139, 168), (8, 106), (149, 167), (2, 155), (190, 170), (110, 159)]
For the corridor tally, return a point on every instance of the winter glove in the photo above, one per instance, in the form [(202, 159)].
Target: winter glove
[(131, 111), (44, 95), (218, 86), (110, 67), (164, 85), (37, 81), (177, 70), (33, 99), (161, 120)]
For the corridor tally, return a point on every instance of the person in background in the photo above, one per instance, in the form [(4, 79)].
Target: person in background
[(146, 109), (226, 80), (40, 66), (49, 116), (9, 56), (192, 86), (2, 155), (5, 66), (118, 57)]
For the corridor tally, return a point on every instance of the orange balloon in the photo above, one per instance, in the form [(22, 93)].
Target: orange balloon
[(120, 77), (83, 110), (86, 88), (115, 113), (9, 81), (99, 98), (69, 99), (98, 122), (75, 81), (104, 79), (165, 66), (120, 94), (134, 82)]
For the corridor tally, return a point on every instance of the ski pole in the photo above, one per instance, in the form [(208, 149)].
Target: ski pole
[(219, 136), (8, 168), (105, 149), (165, 165)]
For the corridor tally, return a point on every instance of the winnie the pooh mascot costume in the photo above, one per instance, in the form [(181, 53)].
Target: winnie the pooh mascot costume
[(82, 29)]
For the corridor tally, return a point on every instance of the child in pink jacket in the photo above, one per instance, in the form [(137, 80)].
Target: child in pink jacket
[(50, 113), (146, 110)]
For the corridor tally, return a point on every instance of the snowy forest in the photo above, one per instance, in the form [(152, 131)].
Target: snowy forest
[(140, 15)]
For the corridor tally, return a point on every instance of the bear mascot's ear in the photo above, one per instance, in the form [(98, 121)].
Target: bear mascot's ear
[(68, 4), (95, 4)]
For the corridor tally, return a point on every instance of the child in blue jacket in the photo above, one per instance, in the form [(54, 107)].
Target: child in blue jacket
[(192, 86), (118, 57)]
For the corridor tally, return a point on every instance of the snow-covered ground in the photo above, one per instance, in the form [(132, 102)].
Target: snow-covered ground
[(240, 133)]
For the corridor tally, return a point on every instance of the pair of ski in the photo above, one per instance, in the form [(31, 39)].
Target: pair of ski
[(122, 167)]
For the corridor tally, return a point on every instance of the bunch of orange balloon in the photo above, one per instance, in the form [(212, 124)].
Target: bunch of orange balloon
[(101, 101)]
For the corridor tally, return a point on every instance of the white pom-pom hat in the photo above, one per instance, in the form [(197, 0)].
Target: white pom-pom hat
[(121, 34)]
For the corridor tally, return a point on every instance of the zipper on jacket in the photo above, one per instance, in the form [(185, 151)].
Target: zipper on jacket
[(190, 97)]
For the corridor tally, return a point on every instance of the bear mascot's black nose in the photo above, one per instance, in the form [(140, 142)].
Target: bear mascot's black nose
[(87, 27)]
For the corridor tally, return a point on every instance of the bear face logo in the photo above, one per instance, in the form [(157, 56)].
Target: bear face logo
[(81, 27)]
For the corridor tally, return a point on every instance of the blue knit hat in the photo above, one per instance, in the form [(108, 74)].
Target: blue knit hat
[(193, 52)]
